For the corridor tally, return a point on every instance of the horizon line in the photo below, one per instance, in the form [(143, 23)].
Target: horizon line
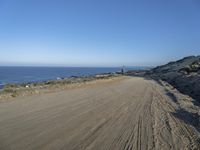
[(61, 66)]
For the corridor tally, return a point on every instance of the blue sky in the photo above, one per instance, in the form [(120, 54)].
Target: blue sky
[(98, 32)]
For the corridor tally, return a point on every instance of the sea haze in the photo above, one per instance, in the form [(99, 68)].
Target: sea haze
[(36, 74)]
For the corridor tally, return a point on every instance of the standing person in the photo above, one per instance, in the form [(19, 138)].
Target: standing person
[(123, 70)]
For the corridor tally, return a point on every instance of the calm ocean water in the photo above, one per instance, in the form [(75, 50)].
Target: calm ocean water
[(36, 74)]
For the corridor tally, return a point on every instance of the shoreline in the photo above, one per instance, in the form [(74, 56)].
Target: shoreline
[(26, 75), (30, 88), (2, 85)]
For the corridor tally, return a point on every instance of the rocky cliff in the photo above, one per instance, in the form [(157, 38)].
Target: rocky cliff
[(183, 74)]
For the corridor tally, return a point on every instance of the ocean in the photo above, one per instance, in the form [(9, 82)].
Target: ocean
[(17, 75)]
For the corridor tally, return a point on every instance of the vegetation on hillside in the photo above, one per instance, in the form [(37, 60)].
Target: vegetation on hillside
[(192, 68)]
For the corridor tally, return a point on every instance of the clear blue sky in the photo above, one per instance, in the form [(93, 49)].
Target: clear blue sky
[(98, 32)]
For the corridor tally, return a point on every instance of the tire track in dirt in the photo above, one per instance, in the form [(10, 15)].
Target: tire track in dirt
[(129, 114)]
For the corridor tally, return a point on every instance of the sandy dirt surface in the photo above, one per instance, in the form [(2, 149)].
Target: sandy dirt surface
[(129, 113)]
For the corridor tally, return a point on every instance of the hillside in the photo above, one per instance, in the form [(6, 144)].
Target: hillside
[(183, 74)]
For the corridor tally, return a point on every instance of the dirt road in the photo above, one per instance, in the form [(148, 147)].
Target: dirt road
[(129, 113)]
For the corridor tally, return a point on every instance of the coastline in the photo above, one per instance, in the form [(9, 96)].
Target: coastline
[(22, 74), (30, 88)]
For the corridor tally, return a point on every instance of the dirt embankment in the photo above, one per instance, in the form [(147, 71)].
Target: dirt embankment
[(27, 89), (127, 113)]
